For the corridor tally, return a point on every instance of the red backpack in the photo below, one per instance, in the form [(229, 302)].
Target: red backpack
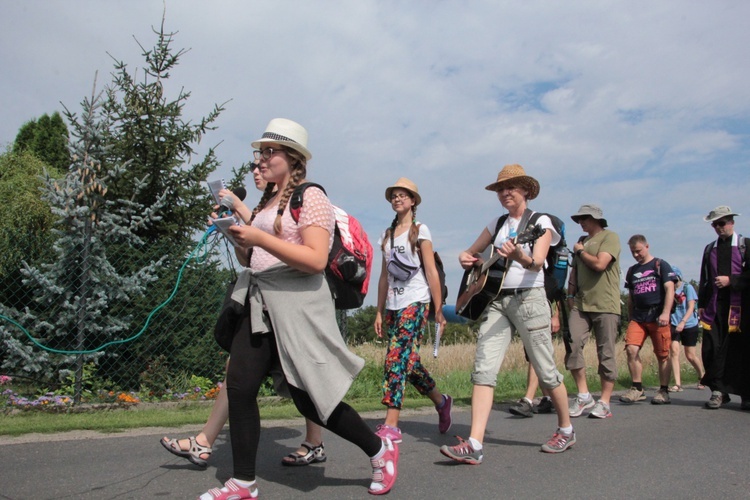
[(350, 258)]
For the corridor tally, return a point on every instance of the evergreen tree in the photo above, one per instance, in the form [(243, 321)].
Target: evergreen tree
[(148, 131), (75, 289), (47, 139)]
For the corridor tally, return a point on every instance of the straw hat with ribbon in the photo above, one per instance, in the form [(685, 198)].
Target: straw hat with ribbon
[(406, 184), (287, 133), (515, 175)]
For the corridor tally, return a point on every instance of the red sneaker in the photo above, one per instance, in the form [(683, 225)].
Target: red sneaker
[(386, 431), (384, 469), (230, 491)]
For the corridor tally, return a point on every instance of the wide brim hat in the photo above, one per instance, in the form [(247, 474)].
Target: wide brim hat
[(591, 210), (404, 183), (516, 175), (288, 133), (719, 213)]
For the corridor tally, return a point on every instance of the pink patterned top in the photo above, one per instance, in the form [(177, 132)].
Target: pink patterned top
[(316, 211)]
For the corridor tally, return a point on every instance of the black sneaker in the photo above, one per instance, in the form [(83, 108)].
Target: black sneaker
[(544, 406), (522, 408)]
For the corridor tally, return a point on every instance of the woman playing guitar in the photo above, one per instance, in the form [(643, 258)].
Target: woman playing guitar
[(520, 305)]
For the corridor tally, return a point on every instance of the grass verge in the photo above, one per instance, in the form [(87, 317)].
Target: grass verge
[(451, 371)]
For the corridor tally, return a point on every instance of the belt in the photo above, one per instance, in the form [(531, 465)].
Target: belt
[(513, 291)]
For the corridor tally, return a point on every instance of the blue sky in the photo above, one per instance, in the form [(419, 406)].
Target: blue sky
[(640, 107)]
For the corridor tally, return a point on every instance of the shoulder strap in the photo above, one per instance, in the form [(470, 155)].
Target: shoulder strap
[(534, 217), (524, 222), (500, 221), (527, 214), (295, 201)]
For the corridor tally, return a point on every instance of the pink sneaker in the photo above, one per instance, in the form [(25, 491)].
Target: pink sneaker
[(384, 469), (392, 433), (230, 491), (444, 414)]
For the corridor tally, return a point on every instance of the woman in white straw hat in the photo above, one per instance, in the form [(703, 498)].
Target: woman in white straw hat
[(404, 292), (292, 318), (520, 305), (198, 449)]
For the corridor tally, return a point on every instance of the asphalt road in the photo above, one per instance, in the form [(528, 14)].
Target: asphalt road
[(644, 451)]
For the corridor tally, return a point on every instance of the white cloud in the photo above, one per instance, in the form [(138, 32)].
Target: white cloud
[(640, 106)]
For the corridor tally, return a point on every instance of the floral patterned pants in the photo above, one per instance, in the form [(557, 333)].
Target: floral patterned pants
[(402, 361)]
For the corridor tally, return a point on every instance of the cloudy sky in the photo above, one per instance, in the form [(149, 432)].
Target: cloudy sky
[(641, 107)]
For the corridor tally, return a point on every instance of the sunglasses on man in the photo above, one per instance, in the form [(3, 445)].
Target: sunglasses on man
[(721, 223)]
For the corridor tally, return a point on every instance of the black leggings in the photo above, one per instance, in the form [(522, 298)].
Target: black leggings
[(253, 358)]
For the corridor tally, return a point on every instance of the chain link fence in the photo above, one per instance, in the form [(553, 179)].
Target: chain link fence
[(74, 333)]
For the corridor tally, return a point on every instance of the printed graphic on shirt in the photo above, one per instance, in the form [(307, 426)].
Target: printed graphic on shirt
[(646, 285)]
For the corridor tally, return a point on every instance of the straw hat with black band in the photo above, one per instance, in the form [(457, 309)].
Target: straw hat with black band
[(288, 133)]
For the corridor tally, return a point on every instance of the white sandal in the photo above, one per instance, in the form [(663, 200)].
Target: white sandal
[(193, 453), (315, 454)]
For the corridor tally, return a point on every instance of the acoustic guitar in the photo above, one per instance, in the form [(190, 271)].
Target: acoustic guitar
[(477, 290)]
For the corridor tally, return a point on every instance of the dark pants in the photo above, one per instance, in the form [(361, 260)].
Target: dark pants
[(253, 358), (724, 355)]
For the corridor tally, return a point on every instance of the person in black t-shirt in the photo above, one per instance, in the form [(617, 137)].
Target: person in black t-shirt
[(651, 285)]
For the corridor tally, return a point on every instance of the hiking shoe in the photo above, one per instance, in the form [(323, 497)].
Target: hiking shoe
[(545, 406), (580, 405), (386, 431), (444, 414), (462, 452), (384, 469), (661, 398), (559, 442), (522, 408), (601, 410), (633, 395), (230, 491), (718, 399)]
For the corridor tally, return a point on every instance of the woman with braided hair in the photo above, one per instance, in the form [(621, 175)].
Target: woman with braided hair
[(404, 292), (293, 329), (198, 449)]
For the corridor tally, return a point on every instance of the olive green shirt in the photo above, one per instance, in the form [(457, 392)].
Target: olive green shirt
[(599, 291)]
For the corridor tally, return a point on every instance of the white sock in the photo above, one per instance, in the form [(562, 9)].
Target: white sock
[(381, 452), (584, 396), (244, 484), (475, 444), (528, 400), (566, 430)]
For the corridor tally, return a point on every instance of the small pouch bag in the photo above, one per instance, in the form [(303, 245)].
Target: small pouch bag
[(400, 270)]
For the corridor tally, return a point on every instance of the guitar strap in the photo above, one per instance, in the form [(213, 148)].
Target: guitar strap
[(521, 227)]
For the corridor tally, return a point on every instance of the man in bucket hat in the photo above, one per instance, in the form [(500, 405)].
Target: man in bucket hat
[(722, 296), (594, 301)]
